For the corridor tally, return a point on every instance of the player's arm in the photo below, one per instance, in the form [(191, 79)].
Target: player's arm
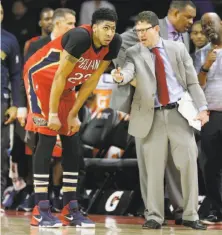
[(75, 43), (90, 85)]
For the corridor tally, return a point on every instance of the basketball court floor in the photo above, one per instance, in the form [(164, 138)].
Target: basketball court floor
[(17, 223)]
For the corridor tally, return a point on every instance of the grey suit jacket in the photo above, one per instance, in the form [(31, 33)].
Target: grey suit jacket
[(139, 63), (122, 95)]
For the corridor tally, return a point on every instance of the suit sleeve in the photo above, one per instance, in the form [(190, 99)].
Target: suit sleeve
[(15, 70), (128, 70), (193, 85)]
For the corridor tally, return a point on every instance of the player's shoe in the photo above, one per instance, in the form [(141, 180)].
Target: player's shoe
[(42, 216), (71, 216)]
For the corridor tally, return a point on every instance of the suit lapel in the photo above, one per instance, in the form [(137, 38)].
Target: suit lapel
[(145, 53)]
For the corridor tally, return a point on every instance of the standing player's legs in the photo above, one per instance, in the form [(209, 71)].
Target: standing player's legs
[(72, 151), (41, 215)]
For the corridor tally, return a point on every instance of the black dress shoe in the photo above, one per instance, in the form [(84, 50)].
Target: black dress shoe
[(152, 224), (178, 221), (194, 224)]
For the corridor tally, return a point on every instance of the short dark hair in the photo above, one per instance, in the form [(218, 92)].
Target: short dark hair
[(148, 16), (46, 9), (104, 14), (181, 4), (61, 12)]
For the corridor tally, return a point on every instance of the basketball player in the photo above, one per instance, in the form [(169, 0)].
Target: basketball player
[(78, 57)]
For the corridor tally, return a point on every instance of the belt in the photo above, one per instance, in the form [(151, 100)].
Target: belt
[(168, 106)]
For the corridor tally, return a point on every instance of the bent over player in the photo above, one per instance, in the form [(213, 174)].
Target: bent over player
[(78, 57)]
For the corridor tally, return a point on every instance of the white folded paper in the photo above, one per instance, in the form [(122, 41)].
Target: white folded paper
[(189, 111)]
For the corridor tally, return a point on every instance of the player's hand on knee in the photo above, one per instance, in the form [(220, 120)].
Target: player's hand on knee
[(73, 124), (54, 122)]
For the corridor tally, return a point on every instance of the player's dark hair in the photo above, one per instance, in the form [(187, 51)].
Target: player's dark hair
[(180, 5), (45, 9), (149, 17), (104, 14)]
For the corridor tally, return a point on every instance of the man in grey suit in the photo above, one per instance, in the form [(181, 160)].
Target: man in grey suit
[(173, 27), (163, 71)]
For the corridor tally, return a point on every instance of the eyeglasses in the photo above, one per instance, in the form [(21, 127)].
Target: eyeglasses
[(142, 30)]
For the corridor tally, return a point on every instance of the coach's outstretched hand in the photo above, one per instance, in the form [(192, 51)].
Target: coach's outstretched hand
[(54, 122), (73, 124)]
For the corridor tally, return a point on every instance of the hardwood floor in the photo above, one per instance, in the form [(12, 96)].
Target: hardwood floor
[(17, 223)]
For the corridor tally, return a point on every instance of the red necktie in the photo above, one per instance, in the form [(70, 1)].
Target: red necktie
[(162, 89)]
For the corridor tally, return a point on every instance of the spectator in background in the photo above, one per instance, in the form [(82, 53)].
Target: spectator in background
[(10, 75), (197, 36), (71, 4), (63, 20), (198, 39), (210, 74), (22, 24), (45, 23), (88, 7)]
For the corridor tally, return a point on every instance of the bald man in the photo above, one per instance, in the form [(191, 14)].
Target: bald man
[(210, 78)]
